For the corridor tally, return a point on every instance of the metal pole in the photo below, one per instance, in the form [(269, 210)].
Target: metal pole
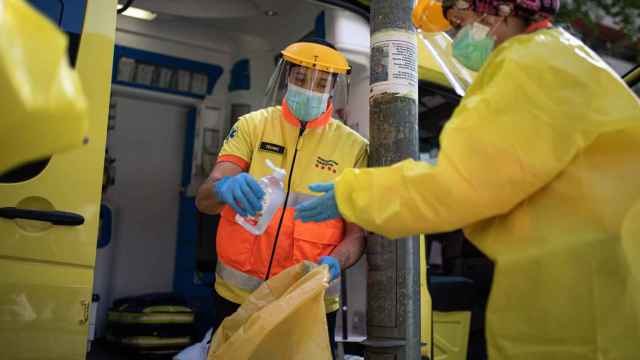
[(393, 286)]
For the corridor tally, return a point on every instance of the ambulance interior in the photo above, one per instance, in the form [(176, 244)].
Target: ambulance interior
[(180, 80)]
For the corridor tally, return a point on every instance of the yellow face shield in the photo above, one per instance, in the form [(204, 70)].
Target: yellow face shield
[(432, 21), (312, 79)]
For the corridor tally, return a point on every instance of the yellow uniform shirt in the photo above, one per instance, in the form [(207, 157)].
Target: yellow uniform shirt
[(317, 152)]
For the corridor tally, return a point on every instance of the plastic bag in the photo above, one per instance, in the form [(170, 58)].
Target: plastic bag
[(44, 107), (283, 319), (196, 351)]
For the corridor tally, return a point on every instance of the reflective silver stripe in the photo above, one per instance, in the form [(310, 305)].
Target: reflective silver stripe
[(251, 283), (237, 278), (296, 198)]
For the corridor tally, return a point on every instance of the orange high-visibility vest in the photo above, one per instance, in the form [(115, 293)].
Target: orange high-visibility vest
[(318, 152)]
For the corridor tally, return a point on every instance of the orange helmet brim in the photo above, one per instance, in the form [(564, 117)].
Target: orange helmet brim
[(428, 16)]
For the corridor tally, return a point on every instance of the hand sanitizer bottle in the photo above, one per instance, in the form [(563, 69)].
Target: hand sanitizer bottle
[(273, 186)]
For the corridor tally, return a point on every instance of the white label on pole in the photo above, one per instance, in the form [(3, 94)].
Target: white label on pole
[(394, 64)]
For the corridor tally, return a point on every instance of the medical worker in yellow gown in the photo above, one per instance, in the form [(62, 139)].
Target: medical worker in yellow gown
[(540, 165)]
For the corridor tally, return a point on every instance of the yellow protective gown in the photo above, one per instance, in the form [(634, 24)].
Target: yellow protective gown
[(44, 109), (540, 164)]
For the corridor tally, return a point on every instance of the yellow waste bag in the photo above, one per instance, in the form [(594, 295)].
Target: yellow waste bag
[(44, 110), (283, 319)]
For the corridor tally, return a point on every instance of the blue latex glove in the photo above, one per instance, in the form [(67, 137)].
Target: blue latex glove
[(333, 264), (241, 192), (319, 209)]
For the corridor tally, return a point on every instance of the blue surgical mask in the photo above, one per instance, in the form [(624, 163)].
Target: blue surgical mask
[(306, 104), (473, 45)]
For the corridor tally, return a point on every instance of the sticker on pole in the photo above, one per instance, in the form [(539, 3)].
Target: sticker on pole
[(394, 67)]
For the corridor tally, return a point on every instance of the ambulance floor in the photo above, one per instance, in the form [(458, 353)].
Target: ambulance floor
[(101, 350)]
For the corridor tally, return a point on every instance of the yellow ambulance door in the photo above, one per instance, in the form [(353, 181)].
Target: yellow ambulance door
[(46, 265)]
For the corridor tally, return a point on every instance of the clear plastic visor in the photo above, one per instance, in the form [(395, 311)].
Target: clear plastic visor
[(289, 75)]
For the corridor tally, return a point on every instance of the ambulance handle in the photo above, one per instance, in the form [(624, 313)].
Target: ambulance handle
[(55, 217)]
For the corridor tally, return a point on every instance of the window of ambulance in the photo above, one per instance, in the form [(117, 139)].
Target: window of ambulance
[(619, 49), (633, 79)]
